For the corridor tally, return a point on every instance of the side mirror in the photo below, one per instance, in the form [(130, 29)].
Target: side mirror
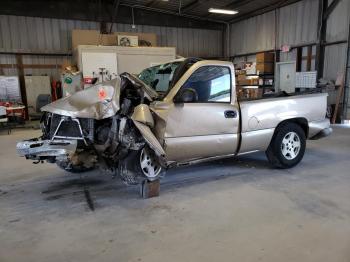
[(186, 95)]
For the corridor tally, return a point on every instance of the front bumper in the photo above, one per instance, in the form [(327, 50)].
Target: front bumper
[(46, 149)]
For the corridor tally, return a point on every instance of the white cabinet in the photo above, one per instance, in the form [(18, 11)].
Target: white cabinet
[(36, 85), (108, 61), (285, 77)]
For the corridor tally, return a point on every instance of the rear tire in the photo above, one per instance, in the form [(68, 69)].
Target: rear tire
[(287, 146)]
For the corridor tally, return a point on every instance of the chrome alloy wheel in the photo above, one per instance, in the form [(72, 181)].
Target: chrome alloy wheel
[(149, 165), (290, 146)]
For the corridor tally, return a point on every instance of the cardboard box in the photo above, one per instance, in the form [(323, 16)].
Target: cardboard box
[(263, 68), (143, 37), (249, 93), (241, 77), (93, 37), (255, 81), (265, 57), (251, 69), (256, 93), (245, 82)]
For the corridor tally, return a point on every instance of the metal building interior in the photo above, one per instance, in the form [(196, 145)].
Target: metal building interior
[(239, 208)]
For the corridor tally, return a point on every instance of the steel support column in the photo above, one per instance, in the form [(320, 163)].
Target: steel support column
[(321, 37), (346, 106)]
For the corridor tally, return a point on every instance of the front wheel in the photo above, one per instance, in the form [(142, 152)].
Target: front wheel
[(287, 147), (149, 164), (140, 165)]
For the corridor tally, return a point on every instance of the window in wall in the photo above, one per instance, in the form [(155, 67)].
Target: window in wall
[(212, 84)]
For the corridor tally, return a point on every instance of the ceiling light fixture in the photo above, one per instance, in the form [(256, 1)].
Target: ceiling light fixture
[(222, 11)]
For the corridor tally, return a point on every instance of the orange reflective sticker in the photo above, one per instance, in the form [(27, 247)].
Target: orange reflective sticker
[(102, 94)]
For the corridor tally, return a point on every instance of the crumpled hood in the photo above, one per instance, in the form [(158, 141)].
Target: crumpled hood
[(98, 102)]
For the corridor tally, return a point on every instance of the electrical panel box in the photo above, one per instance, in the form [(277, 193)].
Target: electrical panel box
[(285, 77)]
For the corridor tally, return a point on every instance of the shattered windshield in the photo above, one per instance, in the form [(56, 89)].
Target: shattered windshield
[(159, 77)]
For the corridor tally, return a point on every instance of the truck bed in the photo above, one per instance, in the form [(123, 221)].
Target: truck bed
[(261, 117)]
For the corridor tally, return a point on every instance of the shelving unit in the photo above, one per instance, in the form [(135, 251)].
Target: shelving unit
[(250, 81), (264, 86)]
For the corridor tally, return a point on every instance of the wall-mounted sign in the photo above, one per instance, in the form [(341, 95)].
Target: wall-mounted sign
[(285, 48)]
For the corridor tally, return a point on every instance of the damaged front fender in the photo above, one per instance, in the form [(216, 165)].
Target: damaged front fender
[(150, 139), (143, 120)]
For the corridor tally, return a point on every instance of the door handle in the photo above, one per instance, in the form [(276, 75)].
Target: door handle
[(230, 114)]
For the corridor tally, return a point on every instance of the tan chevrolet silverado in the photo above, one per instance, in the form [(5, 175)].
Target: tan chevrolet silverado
[(178, 113)]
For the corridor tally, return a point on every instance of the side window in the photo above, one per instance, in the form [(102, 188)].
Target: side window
[(211, 83)]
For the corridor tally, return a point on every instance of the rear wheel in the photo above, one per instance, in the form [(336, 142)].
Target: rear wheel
[(287, 147)]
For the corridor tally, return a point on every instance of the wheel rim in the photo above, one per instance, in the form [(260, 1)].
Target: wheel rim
[(149, 165), (290, 146)]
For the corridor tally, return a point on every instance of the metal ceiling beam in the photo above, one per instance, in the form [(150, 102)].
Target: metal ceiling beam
[(263, 10), (151, 3), (238, 3), (330, 9), (116, 7), (151, 9), (189, 6), (234, 5), (73, 10)]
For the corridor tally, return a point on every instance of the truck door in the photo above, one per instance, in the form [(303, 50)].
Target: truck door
[(207, 125)]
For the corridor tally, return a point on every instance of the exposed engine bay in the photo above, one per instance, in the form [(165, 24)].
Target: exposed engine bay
[(105, 126)]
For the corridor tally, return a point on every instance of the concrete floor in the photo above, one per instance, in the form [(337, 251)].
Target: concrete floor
[(231, 210)]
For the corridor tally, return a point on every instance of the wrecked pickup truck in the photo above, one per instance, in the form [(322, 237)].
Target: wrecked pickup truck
[(178, 113)]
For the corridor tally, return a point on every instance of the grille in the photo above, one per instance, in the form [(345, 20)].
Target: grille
[(70, 128)]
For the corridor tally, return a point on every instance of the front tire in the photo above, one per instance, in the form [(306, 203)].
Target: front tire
[(140, 165), (287, 146), (149, 164)]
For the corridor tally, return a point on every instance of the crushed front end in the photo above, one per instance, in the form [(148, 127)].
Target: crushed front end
[(106, 126)]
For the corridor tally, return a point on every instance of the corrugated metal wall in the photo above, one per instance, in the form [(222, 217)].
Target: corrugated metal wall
[(253, 35), (44, 35), (338, 22), (335, 60), (33, 34), (188, 41), (337, 30), (296, 25)]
